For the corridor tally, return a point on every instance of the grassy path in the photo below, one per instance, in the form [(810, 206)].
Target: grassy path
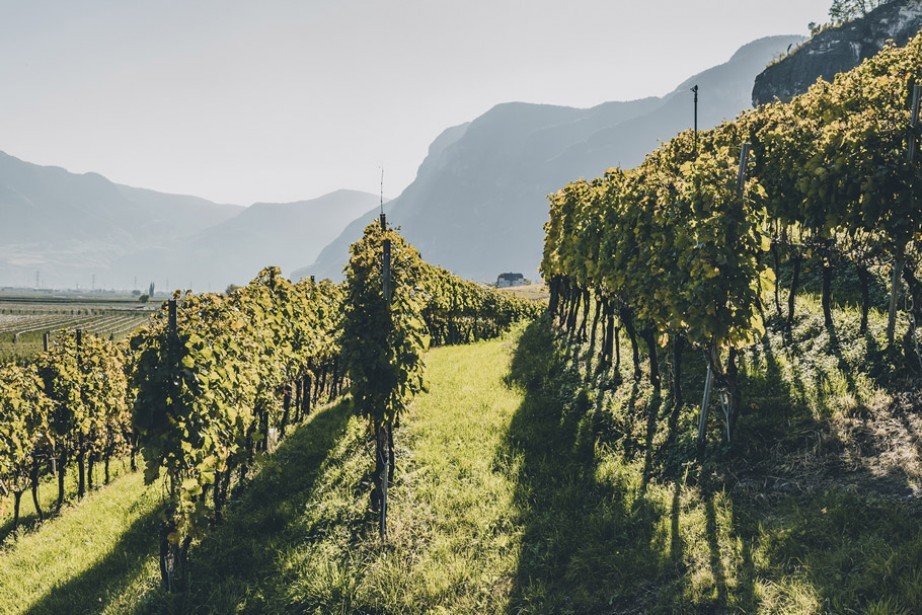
[(519, 489), (303, 539)]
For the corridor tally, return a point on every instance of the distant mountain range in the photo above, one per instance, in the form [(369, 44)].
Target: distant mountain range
[(281, 234), (478, 204), (73, 229), (70, 227)]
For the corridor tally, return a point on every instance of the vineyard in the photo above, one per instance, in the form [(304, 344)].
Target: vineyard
[(829, 181), (408, 441), (213, 382), (25, 322)]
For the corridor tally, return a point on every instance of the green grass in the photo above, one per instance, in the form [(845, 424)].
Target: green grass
[(48, 495), (528, 482), (97, 556), (303, 539)]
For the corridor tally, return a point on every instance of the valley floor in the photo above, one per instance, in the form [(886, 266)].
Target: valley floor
[(528, 482)]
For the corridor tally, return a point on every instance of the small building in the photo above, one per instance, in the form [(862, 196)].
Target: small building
[(505, 280)]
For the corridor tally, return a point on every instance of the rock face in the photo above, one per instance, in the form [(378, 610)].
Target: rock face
[(838, 50)]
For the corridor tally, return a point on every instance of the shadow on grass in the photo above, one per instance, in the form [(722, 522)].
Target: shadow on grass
[(28, 520), (48, 491), (91, 591), (597, 538), (237, 563), (588, 537)]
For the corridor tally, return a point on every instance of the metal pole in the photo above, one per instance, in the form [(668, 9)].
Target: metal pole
[(705, 403), (744, 161), (914, 123), (383, 219), (171, 318), (695, 90), (383, 440)]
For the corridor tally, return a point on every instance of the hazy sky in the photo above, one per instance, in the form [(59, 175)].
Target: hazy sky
[(279, 100)]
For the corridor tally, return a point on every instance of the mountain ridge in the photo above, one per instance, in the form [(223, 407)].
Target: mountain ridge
[(478, 203), (80, 229), (70, 227), (263, 234)]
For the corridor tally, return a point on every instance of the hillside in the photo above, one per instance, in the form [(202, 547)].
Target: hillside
[(527, 482), (838, 49), (478, 203), (70, 227), (281, 234)]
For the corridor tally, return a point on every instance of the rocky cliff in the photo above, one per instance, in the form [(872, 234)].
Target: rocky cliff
[(838, 49)]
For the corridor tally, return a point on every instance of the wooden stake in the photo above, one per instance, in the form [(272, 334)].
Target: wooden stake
[(912, 143), (713, 357), (386, 271), (171, 318)]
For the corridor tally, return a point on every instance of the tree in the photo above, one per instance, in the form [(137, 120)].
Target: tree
[(843, 11)]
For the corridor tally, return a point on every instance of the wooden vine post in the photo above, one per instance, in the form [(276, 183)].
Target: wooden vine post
[(169, 553), (383, 435), (81, 439), (912, 144), (713, 355)]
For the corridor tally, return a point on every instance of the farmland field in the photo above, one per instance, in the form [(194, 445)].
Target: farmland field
[(24, 319)]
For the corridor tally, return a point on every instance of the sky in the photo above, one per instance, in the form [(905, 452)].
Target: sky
[(283, 100)]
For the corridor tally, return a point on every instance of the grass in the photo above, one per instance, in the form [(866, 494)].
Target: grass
[(95, 557), (813, 509), (303, 540), (533, 292), (528, 481), (48, 495)]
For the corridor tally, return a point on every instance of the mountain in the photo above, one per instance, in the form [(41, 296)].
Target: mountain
[(478, 203), (70, 227), (838, 49), (281, 234)]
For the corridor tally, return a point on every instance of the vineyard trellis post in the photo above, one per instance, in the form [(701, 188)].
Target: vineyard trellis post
[(168, 553), (713, 356), (382, 435), (912, 144), (81, 447)]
